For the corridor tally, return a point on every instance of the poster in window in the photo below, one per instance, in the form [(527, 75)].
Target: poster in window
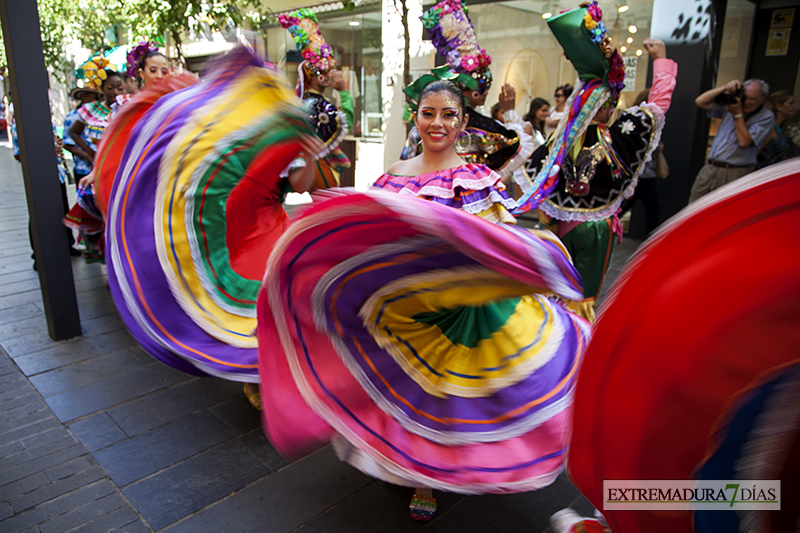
[(630, 73), (778, 42), (782, 18), (730, 44)]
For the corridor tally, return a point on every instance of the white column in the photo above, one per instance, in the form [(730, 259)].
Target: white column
[(394, 131)]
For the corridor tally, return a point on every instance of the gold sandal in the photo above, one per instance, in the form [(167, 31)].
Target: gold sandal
[(254, 398)]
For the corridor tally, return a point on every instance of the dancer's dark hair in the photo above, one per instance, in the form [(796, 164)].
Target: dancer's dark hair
[(444, 86), (536, 105), (566, 89), (143, 60), (111, 74)]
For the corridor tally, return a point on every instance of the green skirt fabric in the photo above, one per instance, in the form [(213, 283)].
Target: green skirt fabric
[(590, 244)]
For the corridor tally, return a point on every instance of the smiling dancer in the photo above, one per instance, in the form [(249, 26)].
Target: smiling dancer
[(429, 345), (502, 147)]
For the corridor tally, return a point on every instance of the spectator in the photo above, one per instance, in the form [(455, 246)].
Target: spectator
[(561, 95), (3, 122), (497, 112), (744, 126), (537, 115), (777, 146)]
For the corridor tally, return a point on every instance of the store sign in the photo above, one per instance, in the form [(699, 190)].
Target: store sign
[(630, 73)]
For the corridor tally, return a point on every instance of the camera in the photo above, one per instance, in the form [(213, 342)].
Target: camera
[(726, 98)]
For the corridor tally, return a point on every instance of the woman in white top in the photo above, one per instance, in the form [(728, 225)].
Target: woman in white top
[(556, 112), (536, 117)]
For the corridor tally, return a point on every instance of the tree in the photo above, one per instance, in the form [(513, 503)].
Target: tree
[(92, 20), (56, 24), (152, 19)]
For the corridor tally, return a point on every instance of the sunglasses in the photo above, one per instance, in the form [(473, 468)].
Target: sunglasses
[(559, 95)]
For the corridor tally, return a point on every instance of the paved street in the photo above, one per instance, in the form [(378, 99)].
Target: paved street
[(95, 435)]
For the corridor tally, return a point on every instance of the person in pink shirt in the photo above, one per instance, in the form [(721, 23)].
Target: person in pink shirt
[(589, 168)]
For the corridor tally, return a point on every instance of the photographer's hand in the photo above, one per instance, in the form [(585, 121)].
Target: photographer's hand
[(706, 100), (732, 86), (736, 108)]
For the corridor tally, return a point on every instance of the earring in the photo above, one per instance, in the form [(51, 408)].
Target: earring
[(476, 94), (321, 78)]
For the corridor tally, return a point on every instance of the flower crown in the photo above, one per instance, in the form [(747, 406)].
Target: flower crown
[(592, 21), (453, 35), (136, 54), (94, 71), (304, 28)]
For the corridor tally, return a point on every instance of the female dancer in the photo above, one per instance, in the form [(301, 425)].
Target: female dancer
[(150, 67), (95, 116), (153, 67), (502, 145), (429, 345), (195, 207), (93, 119)]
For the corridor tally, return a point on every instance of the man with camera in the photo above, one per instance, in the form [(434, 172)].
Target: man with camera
[(745, 124)]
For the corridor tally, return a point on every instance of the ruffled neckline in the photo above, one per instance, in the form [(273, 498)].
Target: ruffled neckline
[(478, 171)]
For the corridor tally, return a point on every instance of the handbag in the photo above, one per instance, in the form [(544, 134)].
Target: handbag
[(662, 168)]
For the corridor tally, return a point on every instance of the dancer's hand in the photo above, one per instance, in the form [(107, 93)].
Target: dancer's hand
[(655, 47), (508, 97), (337, 80), (87, 180), (311, 146), (302, 179)]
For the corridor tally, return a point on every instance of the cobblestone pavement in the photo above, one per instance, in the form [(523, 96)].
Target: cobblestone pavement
[(96, 436)]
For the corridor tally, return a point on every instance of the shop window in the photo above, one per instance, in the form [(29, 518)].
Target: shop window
[(356, 42)]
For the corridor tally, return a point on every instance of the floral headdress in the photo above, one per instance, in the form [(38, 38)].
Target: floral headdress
[(614, 71), (413, 91), (94, 71), (317, 54), (582, 35), (136, 54), (453, 35)]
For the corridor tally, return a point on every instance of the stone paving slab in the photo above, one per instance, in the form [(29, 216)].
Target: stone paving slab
[(49, 482)]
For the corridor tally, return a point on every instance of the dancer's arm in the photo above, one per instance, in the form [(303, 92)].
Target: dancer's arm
[(337, 80), (664, 74), (76, 132), (302, 179)]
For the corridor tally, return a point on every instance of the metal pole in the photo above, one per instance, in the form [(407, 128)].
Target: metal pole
[(20, 19)]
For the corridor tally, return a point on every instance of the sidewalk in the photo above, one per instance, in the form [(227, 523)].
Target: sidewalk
[(95, 435)]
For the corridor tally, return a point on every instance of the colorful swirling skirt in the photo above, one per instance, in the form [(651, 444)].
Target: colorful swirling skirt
[(115, 138), (693, 371), (194, 212), (427, 343)]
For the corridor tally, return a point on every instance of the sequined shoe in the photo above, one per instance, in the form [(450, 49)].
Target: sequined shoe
[(422, 507)]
